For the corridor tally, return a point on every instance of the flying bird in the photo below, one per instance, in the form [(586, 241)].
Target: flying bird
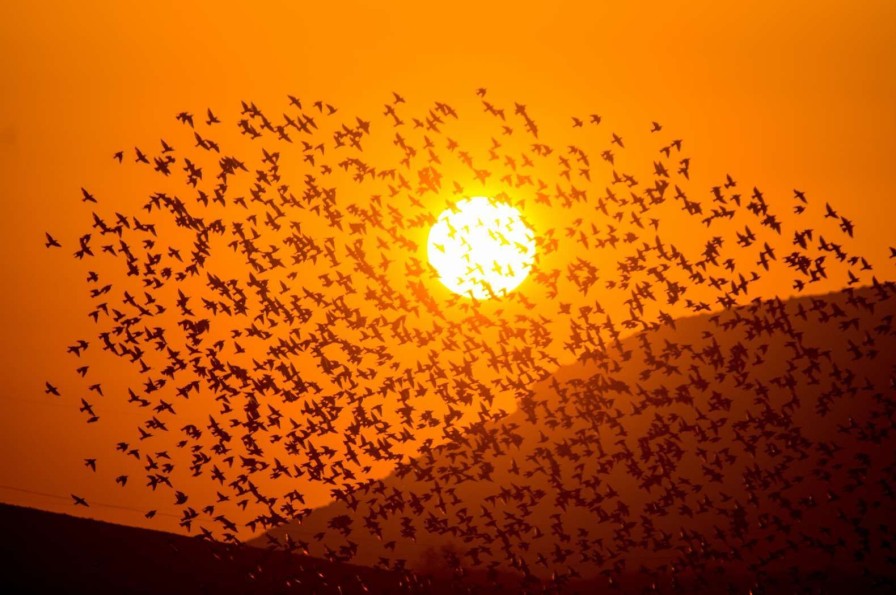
[(86, 196)]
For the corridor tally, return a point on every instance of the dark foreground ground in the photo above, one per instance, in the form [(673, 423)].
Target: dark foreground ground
[(44, 552)]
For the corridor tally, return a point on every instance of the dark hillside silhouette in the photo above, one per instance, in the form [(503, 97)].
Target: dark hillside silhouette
[(45, 552), (753, 443)]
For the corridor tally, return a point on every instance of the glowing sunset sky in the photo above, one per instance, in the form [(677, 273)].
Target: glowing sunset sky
[(779, 95)]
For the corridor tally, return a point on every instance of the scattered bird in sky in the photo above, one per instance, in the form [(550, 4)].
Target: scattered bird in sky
[(86, 196), (140, 156)]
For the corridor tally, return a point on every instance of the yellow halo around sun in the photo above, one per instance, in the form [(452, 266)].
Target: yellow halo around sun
[(481, 248)]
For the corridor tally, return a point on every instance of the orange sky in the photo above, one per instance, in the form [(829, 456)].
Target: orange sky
[(780, 95)]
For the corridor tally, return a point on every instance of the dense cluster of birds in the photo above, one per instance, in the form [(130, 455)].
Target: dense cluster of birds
[(273, 300)]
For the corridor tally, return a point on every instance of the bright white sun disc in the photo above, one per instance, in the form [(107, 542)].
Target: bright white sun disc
[(481, 248)]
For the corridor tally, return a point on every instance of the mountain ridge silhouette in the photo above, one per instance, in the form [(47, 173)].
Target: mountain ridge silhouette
[(783, 427)]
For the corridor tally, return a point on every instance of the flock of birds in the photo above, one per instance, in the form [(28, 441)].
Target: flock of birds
[(289, 337)]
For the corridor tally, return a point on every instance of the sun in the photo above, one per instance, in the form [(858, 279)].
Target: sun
[(481, 248)]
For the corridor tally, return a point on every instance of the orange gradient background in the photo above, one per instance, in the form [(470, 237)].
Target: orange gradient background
[(781, 95)]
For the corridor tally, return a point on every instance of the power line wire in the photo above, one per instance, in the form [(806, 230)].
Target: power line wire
[(92, 504)]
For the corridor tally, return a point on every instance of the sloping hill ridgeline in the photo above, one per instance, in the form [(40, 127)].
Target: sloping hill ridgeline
[(752, 448)]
